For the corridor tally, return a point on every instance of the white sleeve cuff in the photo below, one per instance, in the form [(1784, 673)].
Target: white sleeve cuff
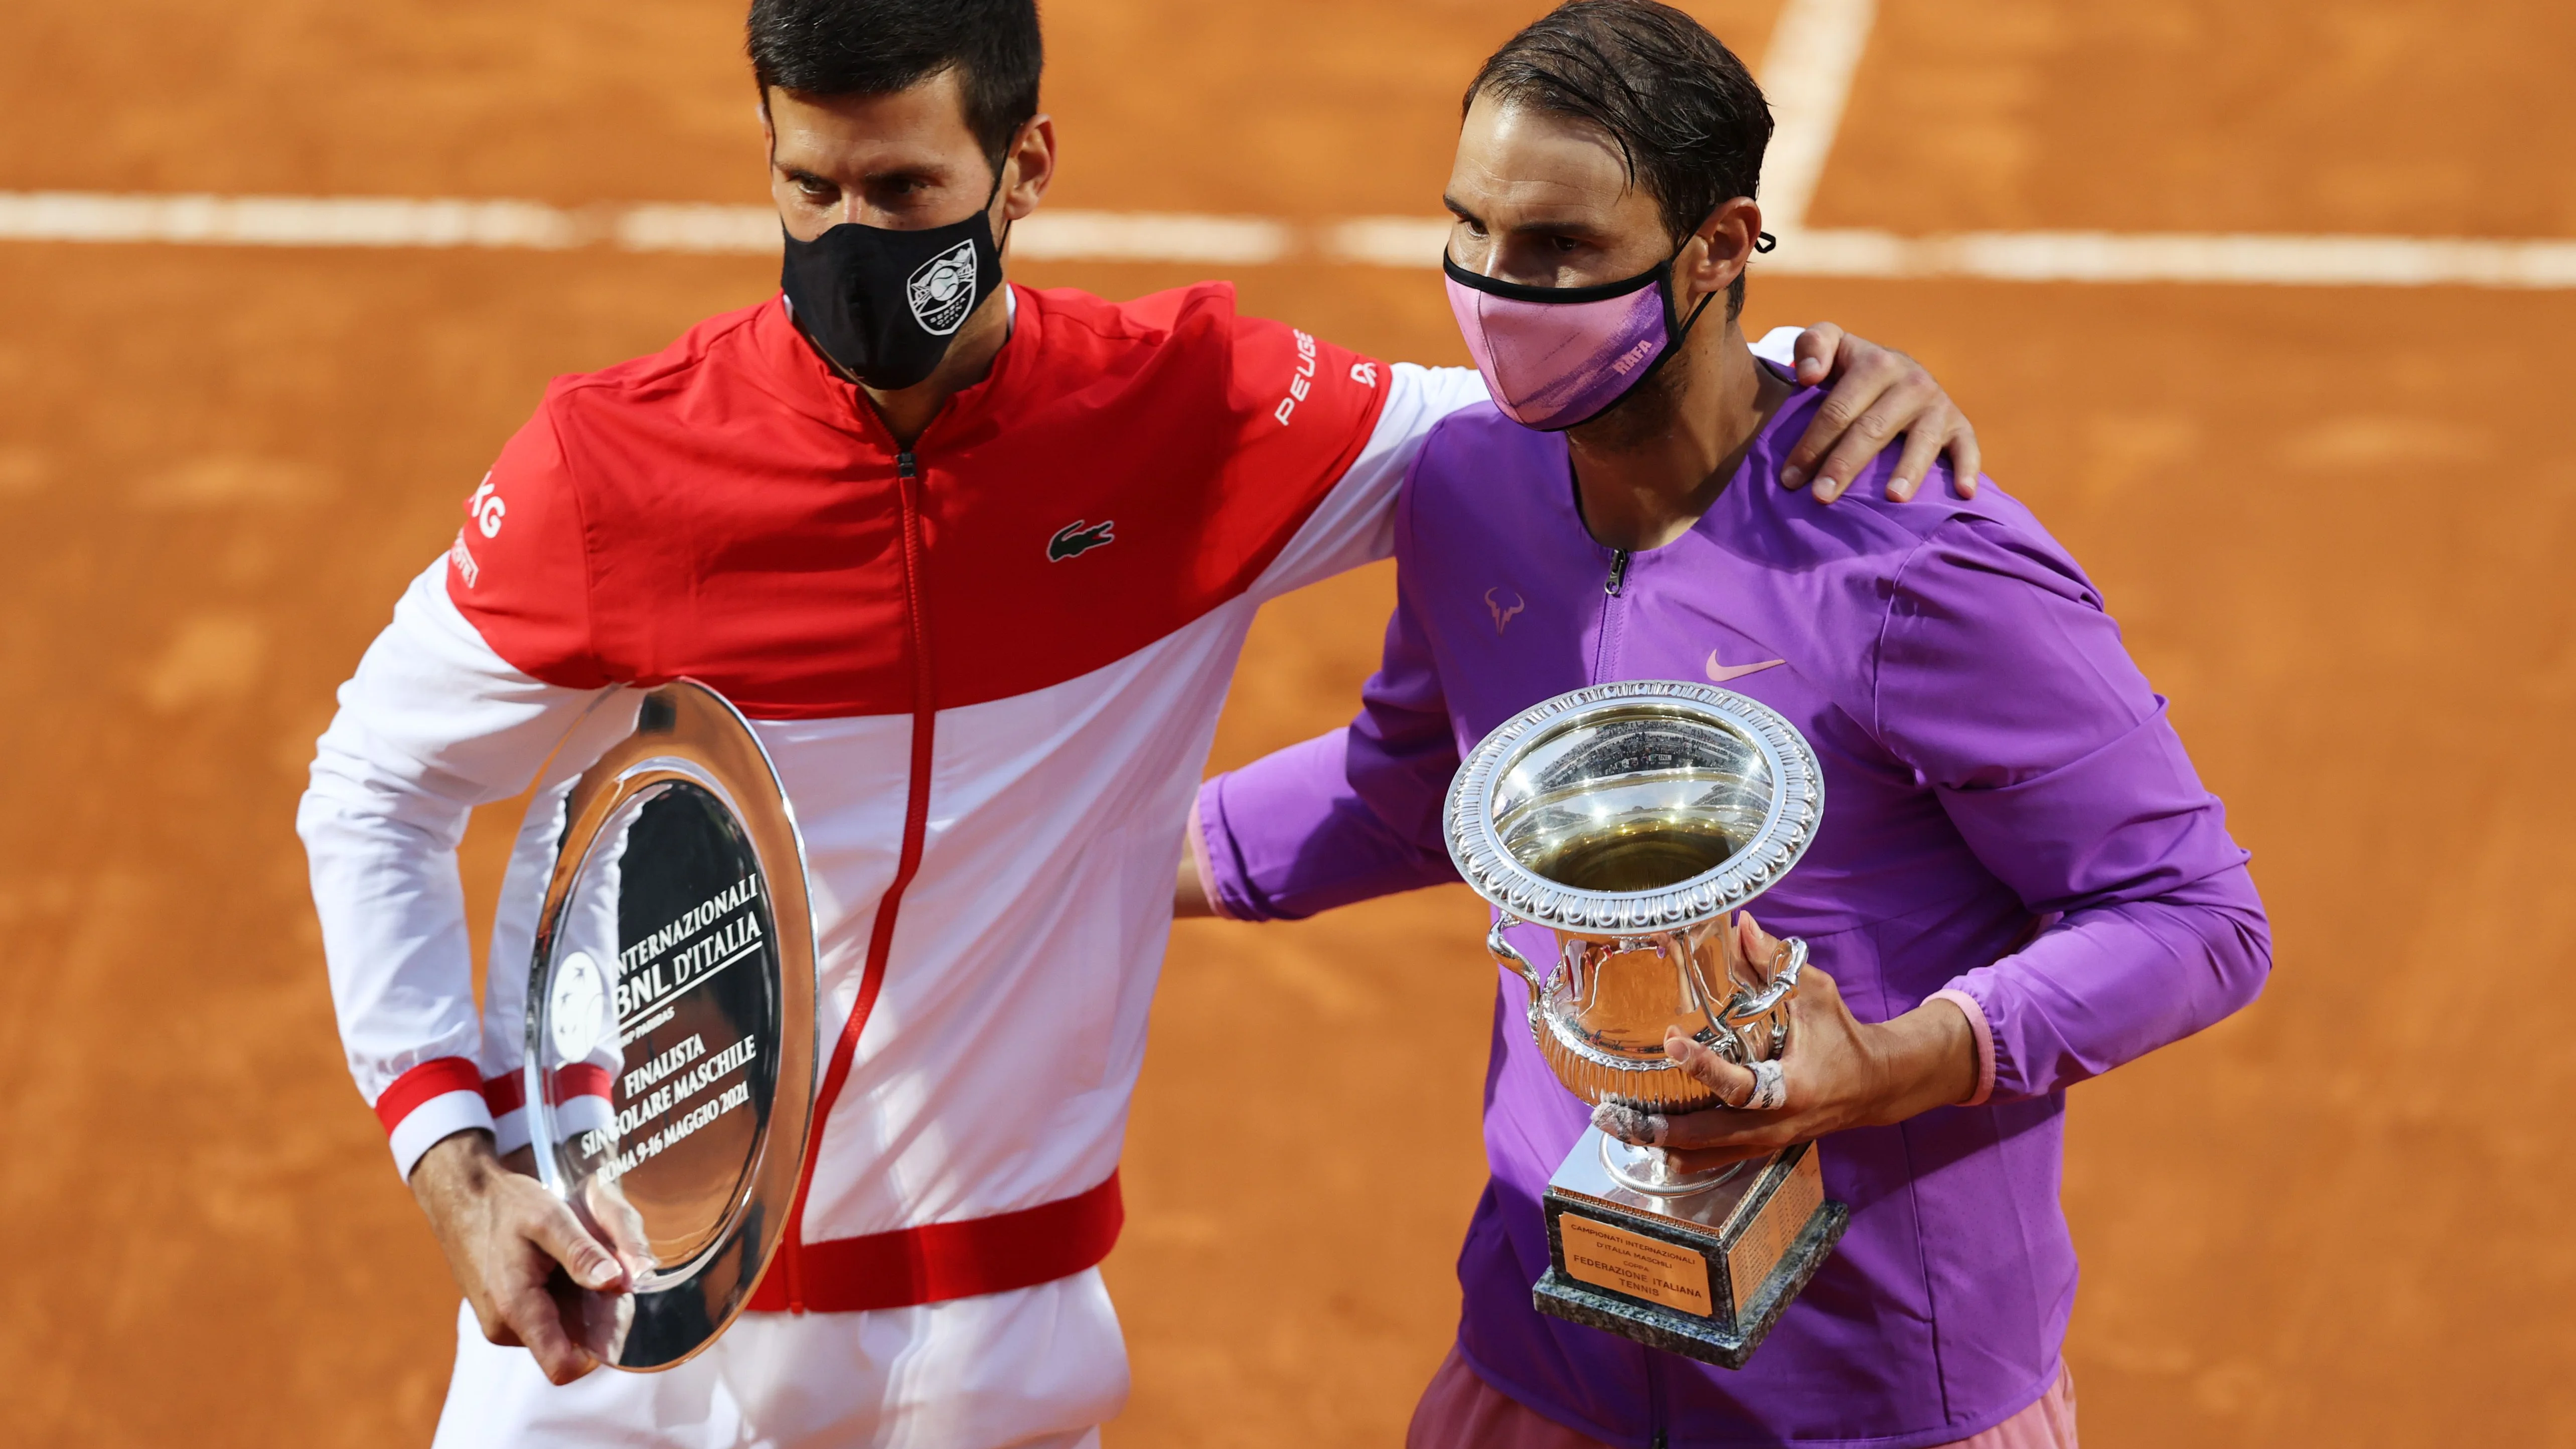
[(584, 1113), (434, 1121), (510, 1131)]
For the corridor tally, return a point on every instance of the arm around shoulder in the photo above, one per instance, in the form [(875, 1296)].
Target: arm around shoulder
[(1354, 523), (1342, 817)]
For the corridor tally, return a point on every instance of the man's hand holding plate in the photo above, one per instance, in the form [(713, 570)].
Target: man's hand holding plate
[(512, 1246)]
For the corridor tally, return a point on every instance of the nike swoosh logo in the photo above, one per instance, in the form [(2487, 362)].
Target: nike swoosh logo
[(1721, 673), (1080, 537)]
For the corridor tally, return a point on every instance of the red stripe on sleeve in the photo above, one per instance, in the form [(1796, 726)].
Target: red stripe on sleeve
[(430, 1079), (509, 1092), (581, 1079)]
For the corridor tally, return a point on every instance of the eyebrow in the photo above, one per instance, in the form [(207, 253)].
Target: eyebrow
[(926, 176), (1566, 226)]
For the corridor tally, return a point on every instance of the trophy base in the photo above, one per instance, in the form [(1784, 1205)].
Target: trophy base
[(1650, 1170), (1703, 1275)]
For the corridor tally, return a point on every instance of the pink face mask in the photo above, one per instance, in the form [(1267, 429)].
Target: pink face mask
[(1558, 357)]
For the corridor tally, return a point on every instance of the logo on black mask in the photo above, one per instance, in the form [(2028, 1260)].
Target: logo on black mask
[(942, 290), (884, 304)]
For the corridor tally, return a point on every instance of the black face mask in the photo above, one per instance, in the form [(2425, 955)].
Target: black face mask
[(885, 304)]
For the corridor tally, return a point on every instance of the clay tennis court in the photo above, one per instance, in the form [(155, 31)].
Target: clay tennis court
[(2335, 521)]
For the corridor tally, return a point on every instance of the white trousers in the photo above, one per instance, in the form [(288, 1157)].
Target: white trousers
[(1040, 1368)]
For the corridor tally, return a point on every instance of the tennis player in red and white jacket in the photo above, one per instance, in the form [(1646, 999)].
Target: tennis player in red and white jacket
[(980, 596)]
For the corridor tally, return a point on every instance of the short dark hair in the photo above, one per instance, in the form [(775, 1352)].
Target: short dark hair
[(1690, 122), (878, 47)]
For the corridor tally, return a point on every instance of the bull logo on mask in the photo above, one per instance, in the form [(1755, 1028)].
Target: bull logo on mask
[(942, 290)]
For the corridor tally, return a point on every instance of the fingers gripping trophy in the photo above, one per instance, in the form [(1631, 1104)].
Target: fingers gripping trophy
[(1635, 821)]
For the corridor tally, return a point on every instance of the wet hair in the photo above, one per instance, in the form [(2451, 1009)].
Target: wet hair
[(1689, 121), (878, 47)]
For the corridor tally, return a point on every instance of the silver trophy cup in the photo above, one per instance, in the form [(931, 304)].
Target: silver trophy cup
[(1633, 821), (670, 1069)]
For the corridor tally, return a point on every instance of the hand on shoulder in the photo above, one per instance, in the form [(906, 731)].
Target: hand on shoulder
[(1877, 395)]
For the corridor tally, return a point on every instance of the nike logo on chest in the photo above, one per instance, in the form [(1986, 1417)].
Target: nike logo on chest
[(1720, 673)]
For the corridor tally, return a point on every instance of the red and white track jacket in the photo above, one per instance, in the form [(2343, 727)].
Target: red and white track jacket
[(988, 671)]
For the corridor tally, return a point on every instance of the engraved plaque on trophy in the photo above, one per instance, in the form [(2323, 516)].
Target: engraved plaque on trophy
[(670, 1049), (1633, 821)]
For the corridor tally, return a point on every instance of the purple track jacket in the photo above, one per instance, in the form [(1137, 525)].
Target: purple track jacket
[(2007, 814)]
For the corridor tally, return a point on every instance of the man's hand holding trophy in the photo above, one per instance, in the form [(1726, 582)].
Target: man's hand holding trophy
[(1841, 1073)]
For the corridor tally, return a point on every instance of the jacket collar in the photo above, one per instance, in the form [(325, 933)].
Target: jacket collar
[(788, 367)]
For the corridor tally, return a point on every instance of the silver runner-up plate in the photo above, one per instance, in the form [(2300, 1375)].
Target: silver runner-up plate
[(670, 1064)]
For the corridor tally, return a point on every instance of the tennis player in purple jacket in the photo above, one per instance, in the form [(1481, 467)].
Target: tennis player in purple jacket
[(2019, 882)]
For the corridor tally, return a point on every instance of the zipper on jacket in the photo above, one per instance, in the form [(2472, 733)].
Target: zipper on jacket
[(916, 824), (1605, 645)]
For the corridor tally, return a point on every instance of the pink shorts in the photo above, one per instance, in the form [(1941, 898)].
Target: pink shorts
[(1460, 1411)]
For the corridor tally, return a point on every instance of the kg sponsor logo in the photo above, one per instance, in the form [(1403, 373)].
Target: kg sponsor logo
[(486, 509), (942, 290), (1080, 537)]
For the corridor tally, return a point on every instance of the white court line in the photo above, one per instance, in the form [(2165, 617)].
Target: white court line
[(1815, 51), (294, 221), (1224, 241), (339, 221), (1385, 241), (1816, 48), (2244, 259), (1099, 236)]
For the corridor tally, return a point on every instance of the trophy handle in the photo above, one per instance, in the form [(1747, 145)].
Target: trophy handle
[(1509, 955), (1784, 983)]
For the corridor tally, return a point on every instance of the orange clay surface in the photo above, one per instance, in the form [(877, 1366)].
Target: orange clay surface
[(2336, 524)]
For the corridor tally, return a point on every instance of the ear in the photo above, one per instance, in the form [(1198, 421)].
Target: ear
[(768, 127), (1030, 167), (1717, 251)]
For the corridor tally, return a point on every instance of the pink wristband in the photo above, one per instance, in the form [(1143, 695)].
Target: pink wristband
[(1985, 1042)]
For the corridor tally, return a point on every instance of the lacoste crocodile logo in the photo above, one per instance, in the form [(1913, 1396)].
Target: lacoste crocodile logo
[(1079, 537), (1502, 612), (1721, 673)]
